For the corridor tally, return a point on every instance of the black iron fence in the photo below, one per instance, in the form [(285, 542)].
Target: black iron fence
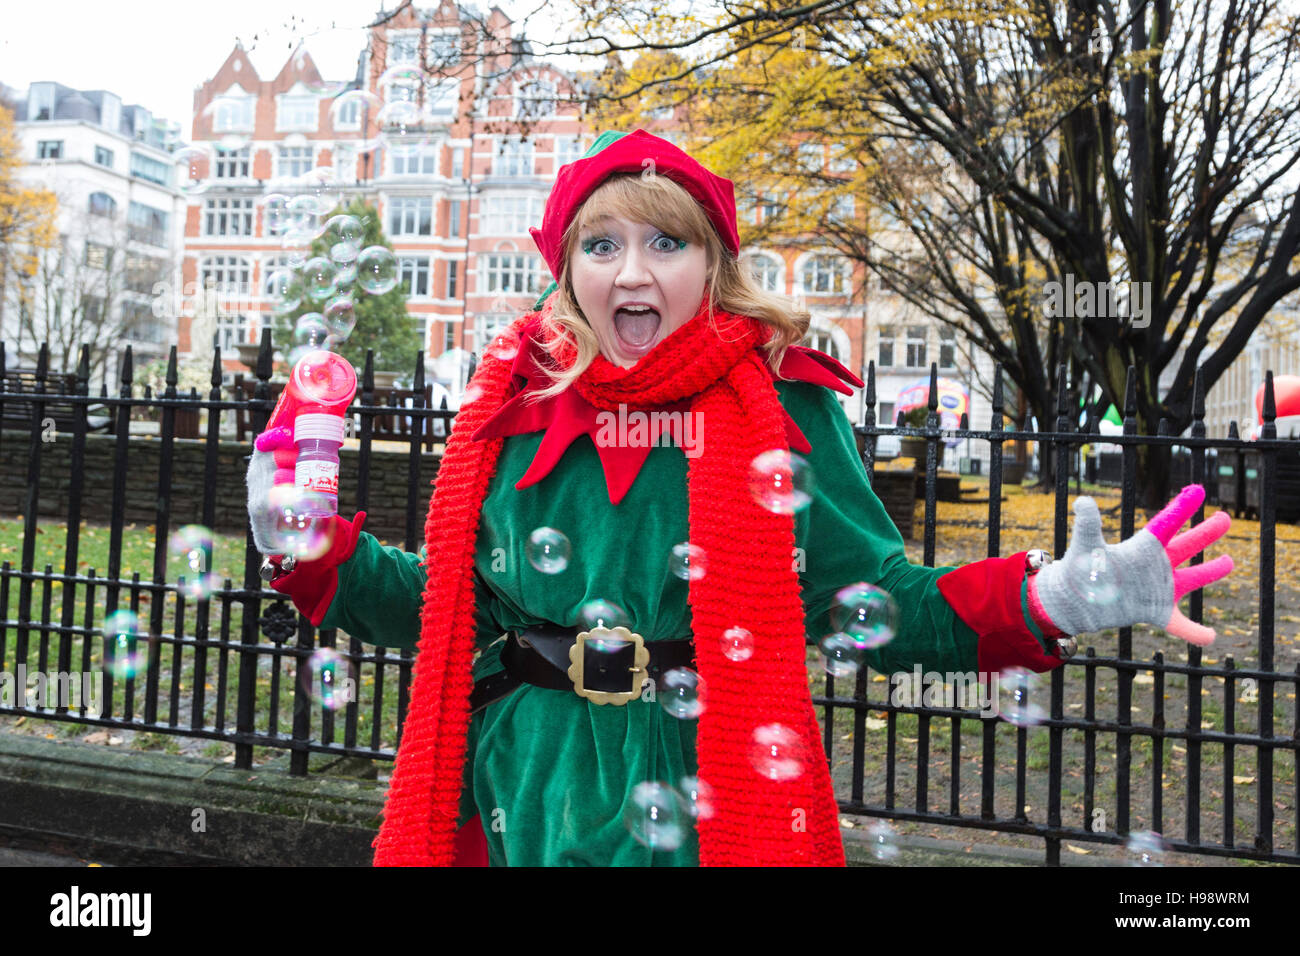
[(237, 664)]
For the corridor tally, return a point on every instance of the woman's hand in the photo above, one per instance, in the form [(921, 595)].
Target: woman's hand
[(1097, 586), (272, 464)]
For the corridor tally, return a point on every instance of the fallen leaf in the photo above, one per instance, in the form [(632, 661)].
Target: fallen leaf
[(1243, 779), (1144, 679), (1077, 849), (98, 737), (875, 723)]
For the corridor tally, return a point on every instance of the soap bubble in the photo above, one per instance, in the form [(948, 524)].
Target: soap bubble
[(127, 654), (1017, 687), (883, 840), (1147, 848), (503, 348), (345, 235), (737, 644), (311, 331), (192, 543), (276, 220), (407, 79), (345, 274), (329, 680), (653, 815), (323, 377), (300, 522), (340, 317), (471, 395), (777, 752), (376, 270), (304, 217), (687, 561), (682, 693), (781, 482), (1098, 584), (295, 250), (866, 613), (841, 655), (193, 165), (284, 288), (321, 184), (697, 798), (548, 550), (404, 128), (601, 613), (318, 275)]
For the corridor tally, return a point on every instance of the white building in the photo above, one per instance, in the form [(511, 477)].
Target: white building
[(120, 223)]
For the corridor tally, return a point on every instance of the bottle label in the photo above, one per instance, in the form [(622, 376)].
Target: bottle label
[(317, 476)]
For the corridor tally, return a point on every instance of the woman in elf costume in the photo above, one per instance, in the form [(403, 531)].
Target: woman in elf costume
[(531, 753)]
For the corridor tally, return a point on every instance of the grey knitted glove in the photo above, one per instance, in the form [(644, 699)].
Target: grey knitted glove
[(272, 463), (1097, 586)]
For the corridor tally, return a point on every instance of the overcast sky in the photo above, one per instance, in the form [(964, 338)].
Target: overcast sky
[(154, 53)]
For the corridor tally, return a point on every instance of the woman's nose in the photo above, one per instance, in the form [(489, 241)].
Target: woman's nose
[(633, 271)]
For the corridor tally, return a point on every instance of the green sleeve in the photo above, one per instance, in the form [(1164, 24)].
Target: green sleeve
[(381, 592), (846, 537)]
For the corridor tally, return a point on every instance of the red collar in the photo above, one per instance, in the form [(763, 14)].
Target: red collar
[(567, 415)]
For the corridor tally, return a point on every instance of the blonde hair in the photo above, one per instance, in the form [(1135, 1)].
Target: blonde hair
[(664, 204)]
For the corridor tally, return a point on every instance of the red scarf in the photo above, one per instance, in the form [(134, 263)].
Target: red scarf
[(750, 582)]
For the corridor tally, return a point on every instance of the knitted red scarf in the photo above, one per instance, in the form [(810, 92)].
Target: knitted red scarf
[(750, 582)]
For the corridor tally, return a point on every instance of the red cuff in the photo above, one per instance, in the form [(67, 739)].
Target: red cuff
[(987, 596), (313, 584)]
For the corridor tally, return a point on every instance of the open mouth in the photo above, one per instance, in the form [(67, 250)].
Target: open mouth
[(636, 327)]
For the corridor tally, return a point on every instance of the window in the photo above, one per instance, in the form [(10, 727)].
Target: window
[(885, 352), (422, 163), (567, 149), (822, 341), (230, 275), (143, 273), (295, 113), (270, 266), (92, 308), (766, 271), (488, 327), (823, 275), (49, 149), (453, 219), (515, 273), (141, 325), (411, 216), (232, 164), (770, 207), (886, 414), (841, 210), (150, 169), (841, 163), (513, 158), (345, 163), (810, 157), (444, 49), (511, 215), (458, 163), (916, 346), (421, 329), (103, 157), (453, 268), (233, 113), (947, 347), (146, 224), (294, 160), (403, 48), (40, 101), (232, 329), (442, 99), (102, 204), (535, 99), (228, 217), (414, 275), (348, 115), (97, 256)]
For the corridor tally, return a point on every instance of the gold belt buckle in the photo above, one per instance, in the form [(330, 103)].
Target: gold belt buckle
[(578, 657)]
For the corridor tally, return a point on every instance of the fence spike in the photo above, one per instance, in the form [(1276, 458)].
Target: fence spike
[(264, 353), (171, 378)]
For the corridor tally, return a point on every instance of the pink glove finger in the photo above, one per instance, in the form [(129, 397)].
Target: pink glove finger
[(1199, 575), (1198, 538), (284, 476), (286, 457), (1174, 514), (274, 438), (1190, 631)]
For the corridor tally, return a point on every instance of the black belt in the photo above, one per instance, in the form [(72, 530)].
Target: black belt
[(611, 667)]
